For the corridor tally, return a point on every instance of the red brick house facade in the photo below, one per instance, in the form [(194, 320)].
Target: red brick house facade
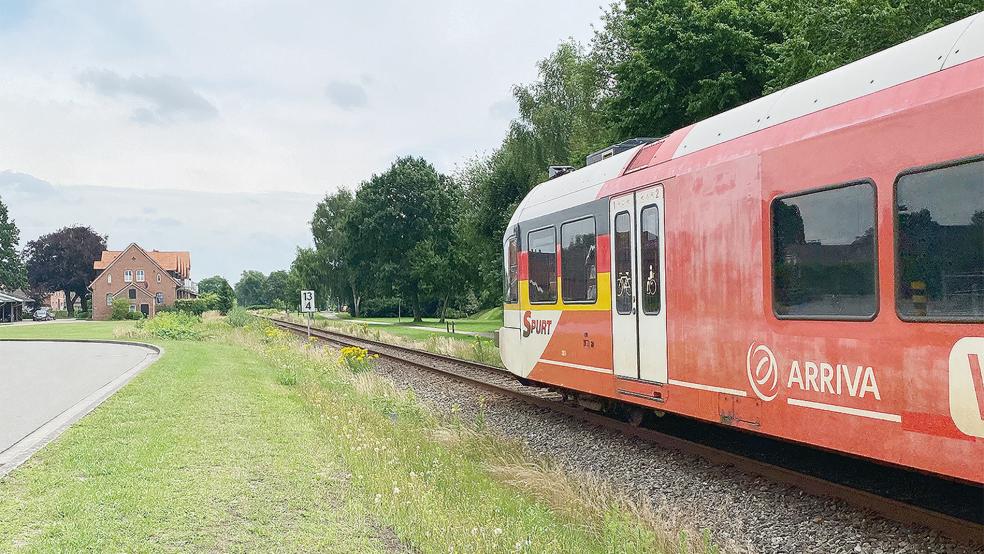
[(147, 279)]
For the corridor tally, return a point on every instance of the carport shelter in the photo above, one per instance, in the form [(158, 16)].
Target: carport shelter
[(11, 308)]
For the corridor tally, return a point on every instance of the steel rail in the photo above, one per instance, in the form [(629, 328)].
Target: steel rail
[(958, 529)]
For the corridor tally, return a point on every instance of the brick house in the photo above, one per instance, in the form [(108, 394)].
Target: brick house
[(148, 279)]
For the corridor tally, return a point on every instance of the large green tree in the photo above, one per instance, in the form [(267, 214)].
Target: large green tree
[(343, 272), (822, 36), (281, 290), (218, 286), (310, 271), (251, 289), (12, 272), (670, 63), (402, 213), (63, 261)]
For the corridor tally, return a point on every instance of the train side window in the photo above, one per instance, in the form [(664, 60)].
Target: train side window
[(939, 243), (578, 261), (542, 262), (512, 272), (649, 259), (824, 259), (623, 264)]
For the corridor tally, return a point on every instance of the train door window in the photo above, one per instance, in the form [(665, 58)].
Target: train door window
[(578, 261), (939, 243), (649, 259), (824, 263), (623, 263), (542, 261), (512, 271)]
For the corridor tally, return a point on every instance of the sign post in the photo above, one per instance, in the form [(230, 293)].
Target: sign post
[(307, 306)]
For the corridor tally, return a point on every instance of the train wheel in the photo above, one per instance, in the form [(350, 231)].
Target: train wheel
[(636, 416)]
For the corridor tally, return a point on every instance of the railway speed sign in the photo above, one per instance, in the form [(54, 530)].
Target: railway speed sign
[(307, 301)]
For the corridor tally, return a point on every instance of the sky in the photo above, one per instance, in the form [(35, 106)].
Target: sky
[(248, 110)]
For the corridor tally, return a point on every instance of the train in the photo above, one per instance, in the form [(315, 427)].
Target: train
[(807, 266)]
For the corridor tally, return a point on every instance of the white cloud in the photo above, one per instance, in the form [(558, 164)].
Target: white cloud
[(347, 95), (169, 98)]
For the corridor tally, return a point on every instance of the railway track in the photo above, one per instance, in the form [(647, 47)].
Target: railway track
[(502, 382)]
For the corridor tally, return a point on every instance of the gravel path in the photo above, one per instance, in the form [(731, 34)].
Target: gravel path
[(744, 513)]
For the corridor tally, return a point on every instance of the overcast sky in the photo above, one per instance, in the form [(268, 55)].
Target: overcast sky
[(256, 97)]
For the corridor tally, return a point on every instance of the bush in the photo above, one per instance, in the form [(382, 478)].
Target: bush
[(83, 315), (239, 317), (175, 326), (358, 360), (59, 314), (121, 309), (197, 306), (259, 307)]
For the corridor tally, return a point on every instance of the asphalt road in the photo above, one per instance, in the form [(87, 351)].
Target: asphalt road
[(41, 380)]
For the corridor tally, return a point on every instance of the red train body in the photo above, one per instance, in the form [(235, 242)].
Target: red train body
[(708, 274)]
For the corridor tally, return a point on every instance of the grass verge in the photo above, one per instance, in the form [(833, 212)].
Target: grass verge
[(248, 441)]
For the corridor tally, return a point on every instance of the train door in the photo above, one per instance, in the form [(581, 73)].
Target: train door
[(638, 277)]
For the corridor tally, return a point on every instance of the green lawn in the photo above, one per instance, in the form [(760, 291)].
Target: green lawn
[(484, 322), (74, 330), (249, 442)]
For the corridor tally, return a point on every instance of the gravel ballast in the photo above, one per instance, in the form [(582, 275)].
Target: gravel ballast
[(742, 512)]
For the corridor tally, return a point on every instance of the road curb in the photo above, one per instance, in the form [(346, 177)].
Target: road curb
[(22, 450)]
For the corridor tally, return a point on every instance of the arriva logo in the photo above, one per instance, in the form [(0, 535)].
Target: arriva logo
[(764, 378), (835, 379)]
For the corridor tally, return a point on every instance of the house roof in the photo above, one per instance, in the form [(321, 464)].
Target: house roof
[(6, 297), (179, 262), (113, 255)]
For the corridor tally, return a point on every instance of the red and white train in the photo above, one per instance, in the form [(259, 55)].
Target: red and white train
[(809, 265)]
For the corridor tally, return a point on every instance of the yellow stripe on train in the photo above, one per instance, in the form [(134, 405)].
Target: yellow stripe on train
[(602, 304)]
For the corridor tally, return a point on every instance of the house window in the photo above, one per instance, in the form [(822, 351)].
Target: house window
[(578, 269), (939, 243), (128, 276), (133, 294), (542, 262), (133, 307), (109, 299), (159, 298), (109, 278), (140, 276), (824, 262), (158, 277)]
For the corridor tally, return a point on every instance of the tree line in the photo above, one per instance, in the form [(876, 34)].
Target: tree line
[(411, 236)]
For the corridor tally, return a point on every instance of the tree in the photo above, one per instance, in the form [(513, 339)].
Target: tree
[(560, 121), (280, 289), (63, 261), (251, 289), (671, 63), (12, 272), (343, 273), (394, 215), (822, 36), (309, 271), (221, 288)]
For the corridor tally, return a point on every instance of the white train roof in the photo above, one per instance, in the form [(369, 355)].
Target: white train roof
[(937, 50)]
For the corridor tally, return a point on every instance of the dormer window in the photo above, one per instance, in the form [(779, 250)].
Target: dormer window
[(128, 276)]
